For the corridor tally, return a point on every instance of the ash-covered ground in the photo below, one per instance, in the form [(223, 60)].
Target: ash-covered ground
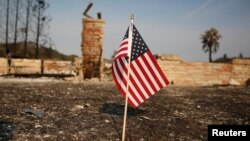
[(87, 111)]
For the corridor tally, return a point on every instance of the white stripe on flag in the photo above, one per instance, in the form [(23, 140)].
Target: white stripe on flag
[(122, 85), (121, 53), (148, 73), (155, 70), (137, 81), (142, 77), (123, 46), (125, 40), (125, 76)]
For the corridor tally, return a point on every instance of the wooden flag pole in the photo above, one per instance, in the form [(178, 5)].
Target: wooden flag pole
[(130, 36)]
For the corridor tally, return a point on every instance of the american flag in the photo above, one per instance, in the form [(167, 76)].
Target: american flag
[(145, 75)]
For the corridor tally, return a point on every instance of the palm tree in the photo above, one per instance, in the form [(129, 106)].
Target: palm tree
[(210, 41)]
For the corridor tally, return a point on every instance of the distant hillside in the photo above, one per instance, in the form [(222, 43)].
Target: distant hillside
[(44, 52)]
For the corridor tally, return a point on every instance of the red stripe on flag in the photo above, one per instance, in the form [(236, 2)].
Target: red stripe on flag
[(137, 88), (133, 95), (120, 73), (123, 49), (132, 91), (140, 80), (140, 74), (151, 70), (124, 42), (116, 81), (121, 89), (158, 68), (124, 66), (145, 75), (121, 53), (124, 80), (132, 82), (131, 103)]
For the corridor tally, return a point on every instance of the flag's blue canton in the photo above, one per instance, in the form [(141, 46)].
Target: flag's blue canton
[(139, 47), (126, 35)]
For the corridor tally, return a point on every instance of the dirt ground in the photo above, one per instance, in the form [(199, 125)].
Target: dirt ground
[(94, 111)]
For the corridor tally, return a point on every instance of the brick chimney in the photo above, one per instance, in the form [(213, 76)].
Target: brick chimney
[(92, 47)]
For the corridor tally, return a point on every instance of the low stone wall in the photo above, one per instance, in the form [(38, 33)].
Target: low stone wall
[(25, 66), (3, 66), (37, 66), (241, 70), (178, 72), (58, 67), (204, 74)]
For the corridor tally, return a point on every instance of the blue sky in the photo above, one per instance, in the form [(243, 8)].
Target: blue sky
[(167, 26)]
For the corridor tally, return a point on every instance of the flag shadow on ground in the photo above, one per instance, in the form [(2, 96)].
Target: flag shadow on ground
[(6, 130), (118, 109)]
